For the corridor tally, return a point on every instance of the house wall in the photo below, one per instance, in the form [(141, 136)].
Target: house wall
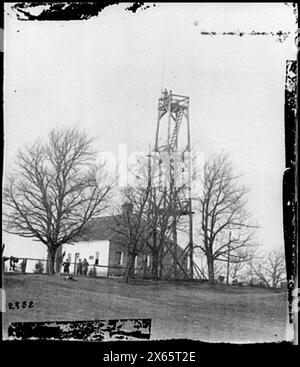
[(26, 248), (141, 268), (87, 250), (143, 263), (117, 270)]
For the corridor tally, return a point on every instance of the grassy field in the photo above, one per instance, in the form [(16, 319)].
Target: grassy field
[(178, 310)]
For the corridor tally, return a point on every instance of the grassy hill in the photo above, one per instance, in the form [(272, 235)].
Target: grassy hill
[(178, 309)]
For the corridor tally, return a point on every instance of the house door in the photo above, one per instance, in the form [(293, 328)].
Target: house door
[(97, 258)]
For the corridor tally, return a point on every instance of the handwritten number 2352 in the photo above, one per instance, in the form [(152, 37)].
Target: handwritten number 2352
[(17, 305)]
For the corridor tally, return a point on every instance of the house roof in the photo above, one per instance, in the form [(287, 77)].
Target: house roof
[(99, 229), (102, 229)]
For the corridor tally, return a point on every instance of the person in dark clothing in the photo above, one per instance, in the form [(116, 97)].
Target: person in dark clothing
[(85, 266), (12, 262), (79, 267), (66, 266)]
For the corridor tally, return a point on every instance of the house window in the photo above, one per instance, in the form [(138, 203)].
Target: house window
[(118, 257), (69, 257)]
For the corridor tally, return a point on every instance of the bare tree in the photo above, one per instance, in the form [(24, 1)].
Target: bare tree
[(270, 268), (163, 210), (164, 215), (131, 226), (236, 268), (225, 223), (55, 190), (154, 212)]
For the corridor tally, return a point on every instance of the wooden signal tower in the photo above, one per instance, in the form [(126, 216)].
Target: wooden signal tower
[(173, 114)]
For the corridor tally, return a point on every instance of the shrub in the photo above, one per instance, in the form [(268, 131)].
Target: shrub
[(39, 268), (93, 272)]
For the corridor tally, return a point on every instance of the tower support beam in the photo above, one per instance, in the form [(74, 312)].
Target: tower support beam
[(173, 113)]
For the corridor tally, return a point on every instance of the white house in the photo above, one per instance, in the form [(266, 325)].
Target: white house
[(95, 252)]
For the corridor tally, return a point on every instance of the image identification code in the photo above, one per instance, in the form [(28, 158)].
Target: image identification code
[(171, 357), (132, 358)]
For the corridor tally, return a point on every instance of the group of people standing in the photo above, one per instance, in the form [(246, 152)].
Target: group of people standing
[(81, 267)]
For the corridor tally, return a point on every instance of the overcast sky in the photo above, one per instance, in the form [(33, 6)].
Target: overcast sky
[(105, 74)]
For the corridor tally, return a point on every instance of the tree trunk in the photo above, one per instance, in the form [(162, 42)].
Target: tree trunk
[(145, 266), (130, 267), (161, 260), (154, 270), (211, 271), (51, 259), (155, 265), (58, 260)]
